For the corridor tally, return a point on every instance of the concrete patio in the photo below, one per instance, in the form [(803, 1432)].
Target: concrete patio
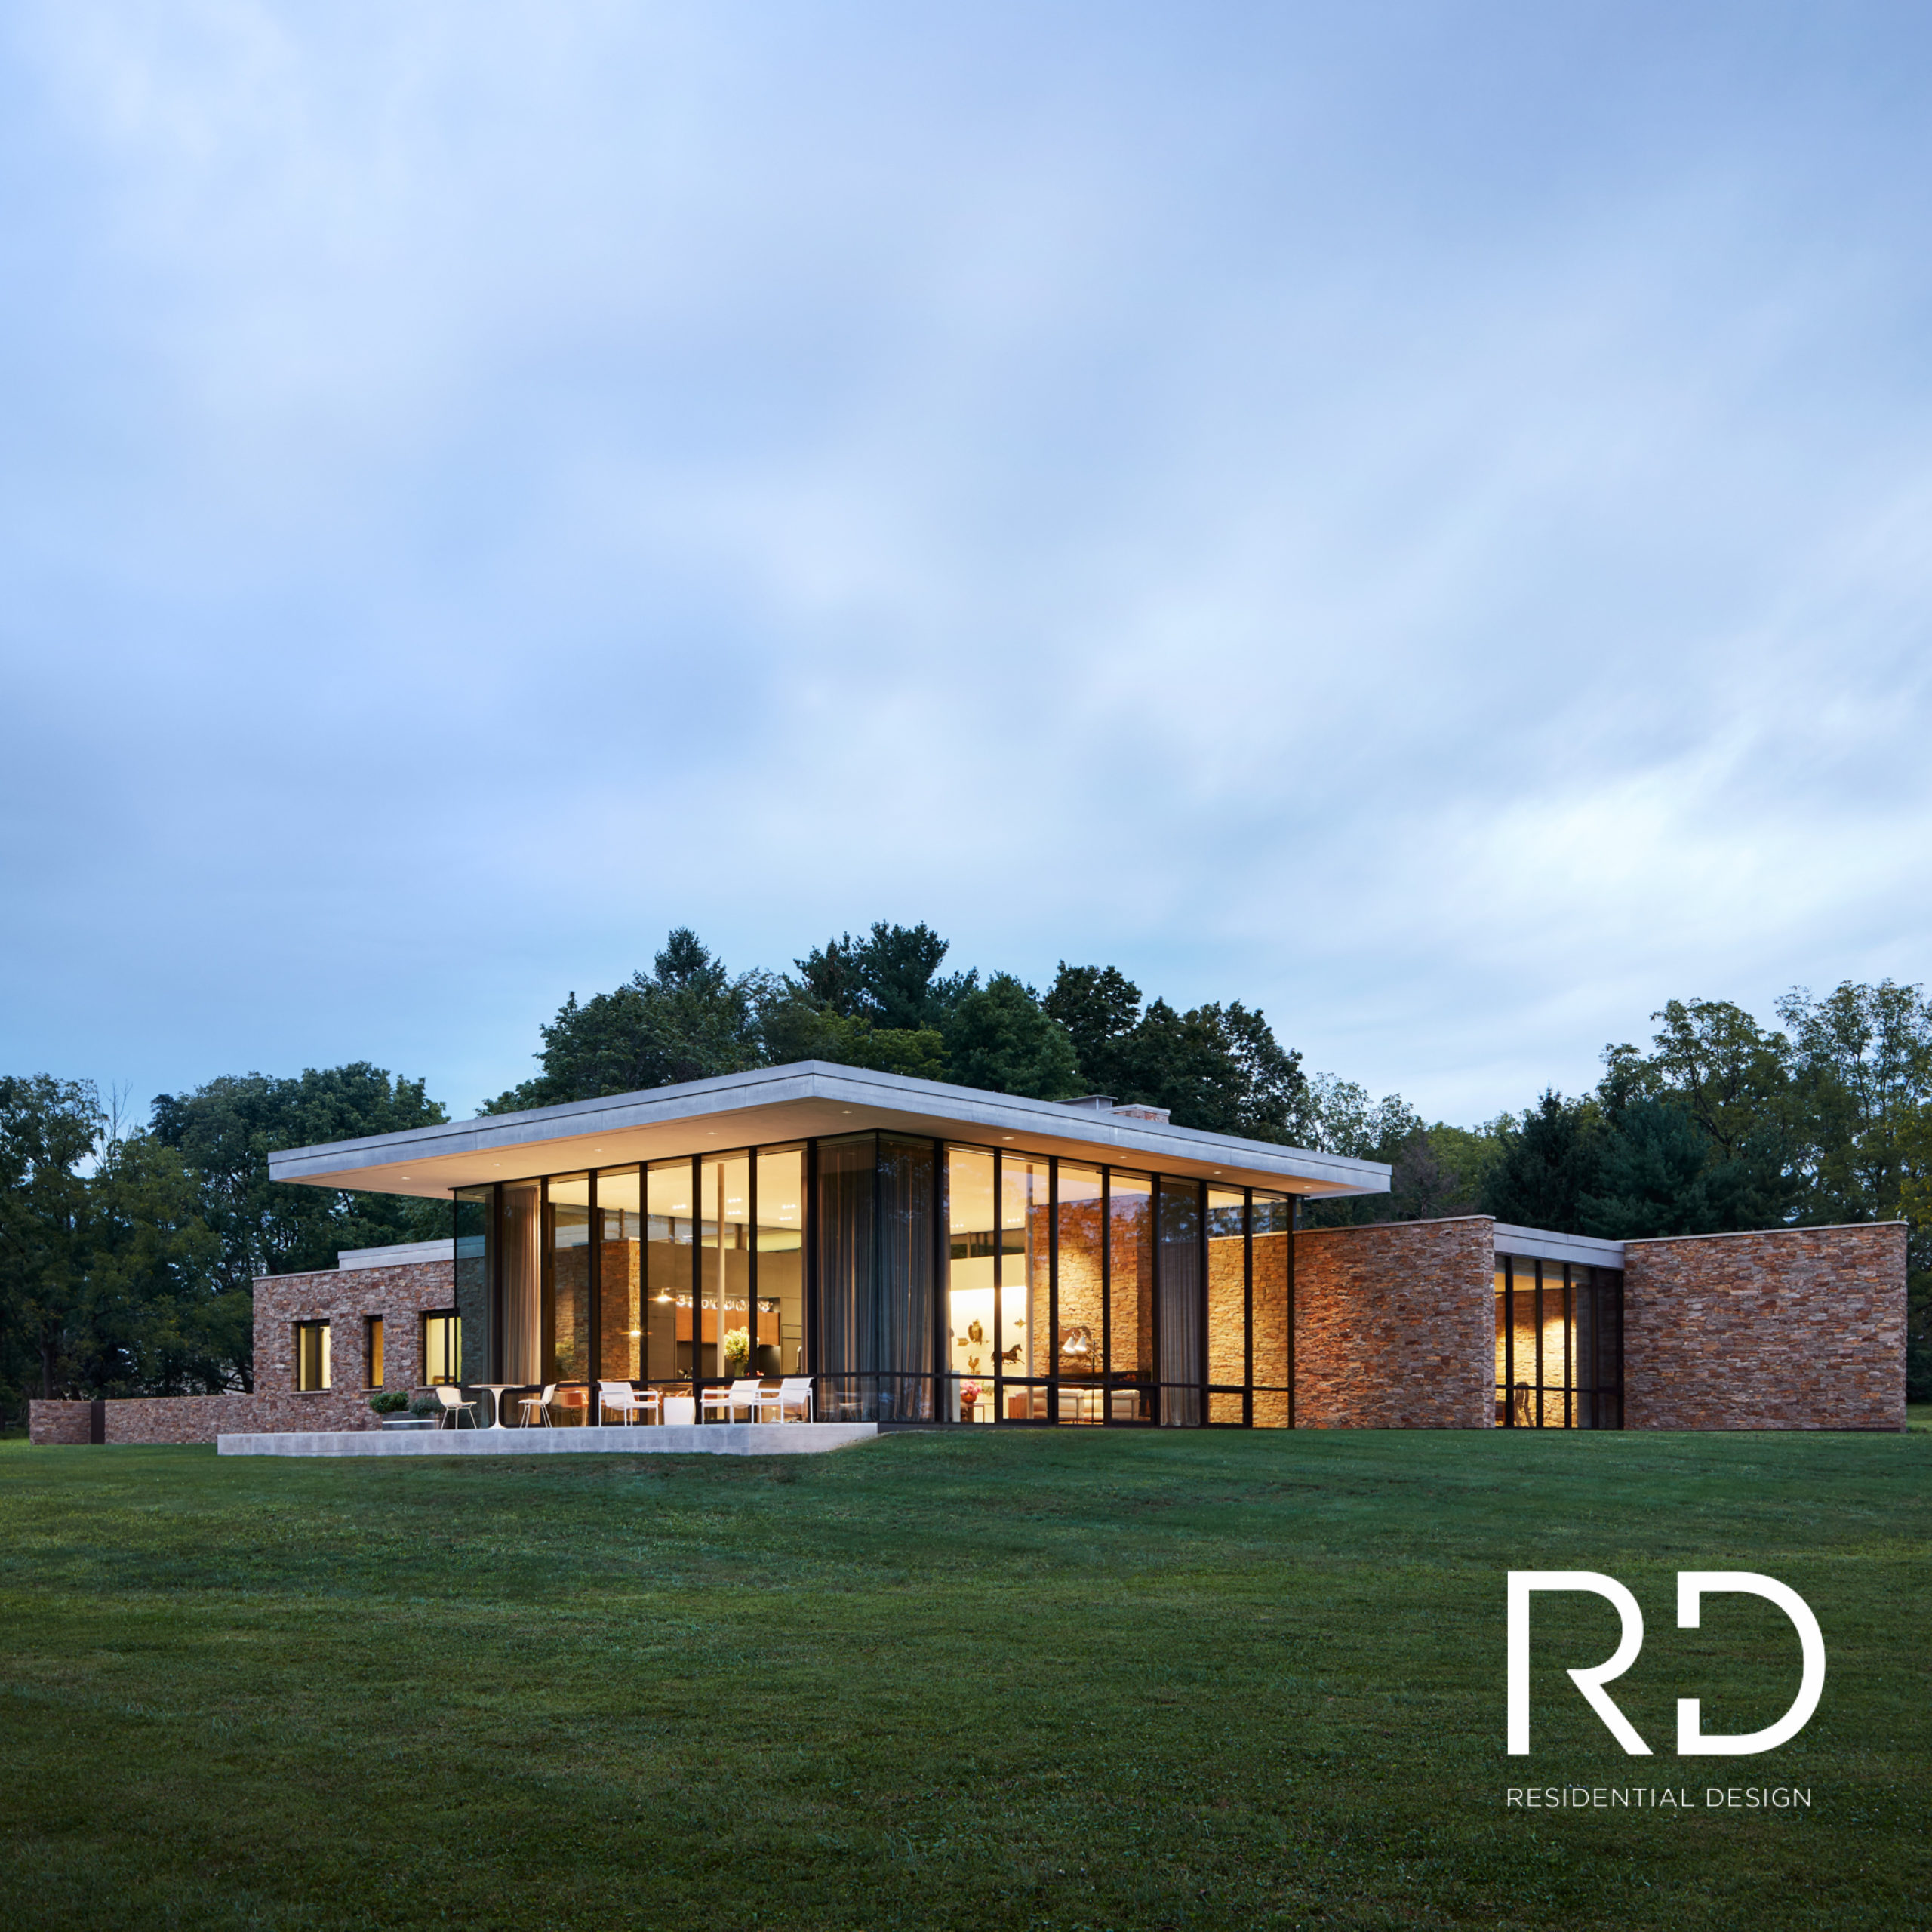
[(742, 1438)]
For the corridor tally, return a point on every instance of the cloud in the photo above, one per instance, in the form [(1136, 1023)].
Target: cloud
[(1418, 524)]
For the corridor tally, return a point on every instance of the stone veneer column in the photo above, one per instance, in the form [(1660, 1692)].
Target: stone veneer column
[(1396, 1325), (1785, 1328)]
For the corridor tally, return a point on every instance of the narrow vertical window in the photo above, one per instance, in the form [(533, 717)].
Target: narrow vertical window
[(312, 1355), (442, 1347), (372, 1352)]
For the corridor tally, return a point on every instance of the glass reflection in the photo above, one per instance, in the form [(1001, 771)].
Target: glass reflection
[(669, 1358), (1131, 1297), (1079, 1355), (522, 1360), (1023, 1310), (1227, 1303), (619, 1274), (566, 1213), (971, 1330), (780, 1344), (1271, 1337)]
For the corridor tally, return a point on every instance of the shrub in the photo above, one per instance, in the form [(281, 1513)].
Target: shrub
[(389, 1401), (423, 1403)]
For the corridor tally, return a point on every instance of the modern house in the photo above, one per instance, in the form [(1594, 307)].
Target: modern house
[(929, 1254)]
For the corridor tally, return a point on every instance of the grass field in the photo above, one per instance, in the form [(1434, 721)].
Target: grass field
[(976, 1680)]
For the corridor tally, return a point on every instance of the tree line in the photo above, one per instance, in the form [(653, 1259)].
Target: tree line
[(127, 1253)]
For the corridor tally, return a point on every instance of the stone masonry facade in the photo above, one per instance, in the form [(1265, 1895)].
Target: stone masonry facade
[(1394, 1325), (346, 1299), (1791, 1328)]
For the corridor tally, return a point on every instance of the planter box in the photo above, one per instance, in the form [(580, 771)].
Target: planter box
[(409, 1422)]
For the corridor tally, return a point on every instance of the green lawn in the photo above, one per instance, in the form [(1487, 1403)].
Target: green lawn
[(983, 1680)]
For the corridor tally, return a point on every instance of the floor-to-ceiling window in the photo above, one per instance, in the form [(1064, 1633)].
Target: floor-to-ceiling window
[(1079, 1354), (1559, 1345), (567, 1285), (970, 1326), (669, 1189), (620, 1299), (1228, 1376), (781, 1248), (522, 1358), (1271, 1327), (1130, 1316), (914, 1280)]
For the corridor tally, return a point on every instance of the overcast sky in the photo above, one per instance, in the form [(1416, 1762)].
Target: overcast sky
[(1416, 516)]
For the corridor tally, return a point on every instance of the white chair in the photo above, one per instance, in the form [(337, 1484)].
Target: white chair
[(454, 1408), (794, 1392), (744, 1394), (620, 1398), (541, 1404)]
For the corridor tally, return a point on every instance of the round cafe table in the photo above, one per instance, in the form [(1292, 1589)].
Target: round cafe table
[(497, 1391)]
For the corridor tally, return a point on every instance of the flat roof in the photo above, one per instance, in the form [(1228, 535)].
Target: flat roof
[(1540, 1245), (807, 1100)]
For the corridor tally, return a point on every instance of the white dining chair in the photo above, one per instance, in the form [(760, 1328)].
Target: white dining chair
[(794, 1392), (541, 1404)]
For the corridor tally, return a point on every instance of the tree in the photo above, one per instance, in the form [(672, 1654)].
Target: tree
[(1550, 1162), (224, 1131), (1728, 1074), (1660, 1172), (48, 1128), (1219, 1068), (998, 1038), (1099, 1006), (889, 978), (793, 1028), (687, 1019)]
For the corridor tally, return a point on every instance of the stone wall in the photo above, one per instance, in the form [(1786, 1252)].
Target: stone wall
[(345, 1298), (1791, 1328), (59, 1421), (1394, 1325)]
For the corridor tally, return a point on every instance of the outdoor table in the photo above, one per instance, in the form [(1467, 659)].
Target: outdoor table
[(497, 1391)]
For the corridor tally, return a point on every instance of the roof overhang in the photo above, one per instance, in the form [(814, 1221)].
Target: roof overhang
[(810, 1099), (1541, 1244)]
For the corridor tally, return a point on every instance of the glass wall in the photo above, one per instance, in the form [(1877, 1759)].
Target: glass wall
[(724, 1341), (619, 1246), (915, 1280), (670, 1359), (1081, 1318), (567, 1283), (1130, 1319), (1559, 1345), (1227, 1376), (877, 1212), (1271, 1327), (476, 1216), (1023, 1309), (780, 1250), (520, 1290), (1181, 1314)]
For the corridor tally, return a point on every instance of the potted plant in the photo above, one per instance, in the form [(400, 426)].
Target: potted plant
[(969, 1400), (392, 1406), (737, 1350)]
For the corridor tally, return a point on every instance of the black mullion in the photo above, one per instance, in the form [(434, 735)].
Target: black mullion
[(1509, 1343), (1106, 1298), (751, 1266), (1053, 1288), (1154, 1274), (999, 1285), (493, 1289), (697, 1285), (1200, 1304), (1569, 1352), (808, 1220), (941, 1248), (594, 1284), (1294, 1232), (1247, 1306), (1539, 1344)]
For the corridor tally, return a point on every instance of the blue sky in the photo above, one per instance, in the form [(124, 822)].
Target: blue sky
[(1419, 517)]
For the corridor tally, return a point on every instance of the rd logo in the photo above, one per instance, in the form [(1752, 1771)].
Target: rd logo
[(1692, 1587)]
